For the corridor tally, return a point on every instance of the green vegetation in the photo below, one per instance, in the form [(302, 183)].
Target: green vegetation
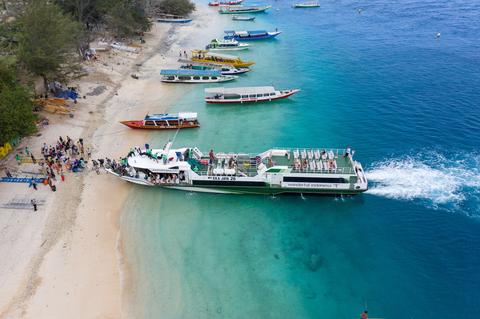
[(16, 115), (177, 7), (48, 40)]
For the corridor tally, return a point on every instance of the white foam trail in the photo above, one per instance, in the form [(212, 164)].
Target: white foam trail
[(432, 177)]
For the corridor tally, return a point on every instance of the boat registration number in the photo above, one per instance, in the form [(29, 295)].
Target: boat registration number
[(222, 178)]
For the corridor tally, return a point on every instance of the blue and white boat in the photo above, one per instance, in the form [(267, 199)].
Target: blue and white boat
[(170, 18), (250, 35), (194, 76)]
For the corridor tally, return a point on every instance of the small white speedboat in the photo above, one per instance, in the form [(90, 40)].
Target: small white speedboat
[(226, 45)]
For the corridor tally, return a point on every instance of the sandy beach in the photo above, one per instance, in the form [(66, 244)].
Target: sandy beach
[(66, 260)]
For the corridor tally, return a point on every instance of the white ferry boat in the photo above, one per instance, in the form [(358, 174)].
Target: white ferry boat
[(194, 76), (276, 171), (246, 94)]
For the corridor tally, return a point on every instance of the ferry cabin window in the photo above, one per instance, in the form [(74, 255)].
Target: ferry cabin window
[(244, 96), (196, 78), (272, 94), (252, 96), (170, 78), (214, 77), (151, 123), (205, 77), (184, 77), (299, 179)]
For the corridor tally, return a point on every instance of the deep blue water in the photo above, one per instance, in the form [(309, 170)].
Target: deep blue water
[(407, 102)]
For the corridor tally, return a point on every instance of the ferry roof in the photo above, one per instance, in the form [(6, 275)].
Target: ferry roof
[(173, 116), (191, 72), (241, 90)]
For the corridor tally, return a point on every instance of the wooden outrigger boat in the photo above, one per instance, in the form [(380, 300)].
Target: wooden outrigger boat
[(311, 4), (171, 18), (209, 57), (226, 45), (225, 3), (250, 35), (165, 121), (243, 9), (246, 94), (240, 18), (194, 76)]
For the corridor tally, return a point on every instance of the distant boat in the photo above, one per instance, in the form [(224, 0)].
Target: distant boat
[(224, 3), (246, 94), (194, 76), (224, 69), (210, 57), (165, 121), (226, 45), (240, 18), (170, 18), (250, 35), (311, 4), (243, 9)]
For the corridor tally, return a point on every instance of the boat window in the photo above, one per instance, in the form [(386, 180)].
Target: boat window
[(184, 77), (196, 78), (170, 78), (244, 96), (205, 77), (251, 95), (149, 123), (259, 95), (214, 77), (272, 94), (314, 179)]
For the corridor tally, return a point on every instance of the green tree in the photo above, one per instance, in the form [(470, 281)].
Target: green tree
[(16, 106), (126, 18), (177, 7), (48, 40)]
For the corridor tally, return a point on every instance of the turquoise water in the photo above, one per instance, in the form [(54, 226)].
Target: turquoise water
[(407, 102)]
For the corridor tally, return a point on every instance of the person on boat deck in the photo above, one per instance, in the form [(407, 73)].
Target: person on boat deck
[(364, 315), (270, 162), (347, 151), (211, 154)]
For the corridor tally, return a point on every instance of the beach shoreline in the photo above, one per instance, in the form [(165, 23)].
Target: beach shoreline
[(74, 264)]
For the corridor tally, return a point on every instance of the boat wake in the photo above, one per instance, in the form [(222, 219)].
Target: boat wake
[(433, 178)]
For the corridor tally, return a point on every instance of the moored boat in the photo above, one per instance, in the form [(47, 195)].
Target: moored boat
[(276, 171), (243, 9), (240, 18), (194, 76), (246, 94), (170, 18), (310, 4), (165, 121), (210, 57), (224, 69), (250, 35), (224, 3), (226, 45)]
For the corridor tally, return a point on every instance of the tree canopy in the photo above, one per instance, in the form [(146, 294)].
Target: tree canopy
[(16, 106), (127, 17), (48, 40), (177, 7)]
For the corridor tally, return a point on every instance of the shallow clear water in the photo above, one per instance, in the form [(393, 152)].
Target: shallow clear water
[(408, 103)]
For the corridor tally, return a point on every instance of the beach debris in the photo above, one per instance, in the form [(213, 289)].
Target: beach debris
[(134, 76), (97, 90)]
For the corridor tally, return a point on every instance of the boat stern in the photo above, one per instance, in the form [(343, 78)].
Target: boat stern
[(132, 124)]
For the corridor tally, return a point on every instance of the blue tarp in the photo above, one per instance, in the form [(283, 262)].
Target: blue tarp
[(67, 94), (20, 180)]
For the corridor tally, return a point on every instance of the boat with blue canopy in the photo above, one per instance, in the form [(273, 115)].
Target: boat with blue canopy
[(250, 35), (194, 76), (165, 121)]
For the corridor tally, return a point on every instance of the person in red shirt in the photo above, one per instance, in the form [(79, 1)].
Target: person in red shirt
[(364, 315)]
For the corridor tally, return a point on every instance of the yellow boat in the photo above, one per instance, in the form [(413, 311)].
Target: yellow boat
[(209, 57)]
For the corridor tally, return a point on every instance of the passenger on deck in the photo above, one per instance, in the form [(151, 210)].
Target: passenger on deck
[(364, 315), (347, 152), (270, 162), (211, 156)]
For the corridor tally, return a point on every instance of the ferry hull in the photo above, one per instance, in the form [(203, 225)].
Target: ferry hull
[(218, 101)]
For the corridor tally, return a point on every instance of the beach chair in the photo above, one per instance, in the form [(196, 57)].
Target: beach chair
[(319, 165), (310, 154), (304, 154), (296, 154), (312, 165), (317, 154)]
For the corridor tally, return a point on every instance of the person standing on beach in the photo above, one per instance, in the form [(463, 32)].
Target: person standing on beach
[(34, 204), (34, 184), (34, 160)]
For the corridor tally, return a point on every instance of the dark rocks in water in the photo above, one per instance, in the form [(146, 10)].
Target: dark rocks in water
[(314, 262)]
